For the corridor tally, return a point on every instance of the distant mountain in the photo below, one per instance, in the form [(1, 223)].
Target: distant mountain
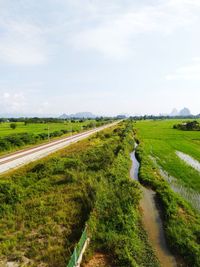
[(79, 115), (121, 116), (174, 113), (182, 113)]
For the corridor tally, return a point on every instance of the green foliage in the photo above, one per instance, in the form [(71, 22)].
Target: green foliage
[(13, 125), (10, 193), (188, 126)]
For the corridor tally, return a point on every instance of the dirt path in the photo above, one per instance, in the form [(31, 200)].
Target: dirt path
[(99, 260)]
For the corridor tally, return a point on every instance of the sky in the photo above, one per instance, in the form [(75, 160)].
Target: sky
[(104, 56)]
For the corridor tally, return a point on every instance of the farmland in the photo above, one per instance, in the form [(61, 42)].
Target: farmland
[(162, 142), (157, 153), (38, 128), (17, 135)]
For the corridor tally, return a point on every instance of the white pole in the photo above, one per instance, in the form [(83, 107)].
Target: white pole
[(48, 133)]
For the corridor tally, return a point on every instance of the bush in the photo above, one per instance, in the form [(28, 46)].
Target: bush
[(4, 145), (9, 193), (13, 125)]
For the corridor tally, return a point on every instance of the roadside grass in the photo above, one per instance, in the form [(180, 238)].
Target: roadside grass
[(181, 221), (45, 205)]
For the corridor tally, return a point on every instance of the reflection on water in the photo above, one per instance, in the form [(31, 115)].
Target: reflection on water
[(189, 160), (134, 167)]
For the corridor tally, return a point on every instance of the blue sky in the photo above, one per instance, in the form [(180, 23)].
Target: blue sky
[(103, 56)]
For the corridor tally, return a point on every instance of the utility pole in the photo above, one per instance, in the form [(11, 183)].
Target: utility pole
[(48, 134), (70, 127)]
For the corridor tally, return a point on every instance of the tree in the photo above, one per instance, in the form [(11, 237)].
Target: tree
[(13, 125)]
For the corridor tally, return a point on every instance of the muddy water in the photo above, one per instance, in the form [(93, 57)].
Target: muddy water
[(152, 220)]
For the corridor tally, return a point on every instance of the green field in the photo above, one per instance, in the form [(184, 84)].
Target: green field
[(36, 128), (179, 200), (27, 134), (162, 142)]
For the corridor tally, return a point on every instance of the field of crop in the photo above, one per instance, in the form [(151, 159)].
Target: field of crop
[(162, 142), (36, 128), (25, 134), (160, 166)]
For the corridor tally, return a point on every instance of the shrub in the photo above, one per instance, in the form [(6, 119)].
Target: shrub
[(13, 125)]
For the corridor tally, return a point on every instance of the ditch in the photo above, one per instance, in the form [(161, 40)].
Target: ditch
[(151, 219)]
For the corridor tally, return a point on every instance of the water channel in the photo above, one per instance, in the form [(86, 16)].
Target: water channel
[(151, 219)]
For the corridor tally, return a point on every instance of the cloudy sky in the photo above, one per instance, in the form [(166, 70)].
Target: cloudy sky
[(103, 56)]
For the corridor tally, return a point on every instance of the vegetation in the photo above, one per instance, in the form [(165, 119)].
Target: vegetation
[(158, 141), (115, 220), (13, 125), (29, 133), (188, 126), (44, 206), (161, 143)]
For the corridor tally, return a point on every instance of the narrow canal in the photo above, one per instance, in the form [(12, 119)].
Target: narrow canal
[(152, 220)]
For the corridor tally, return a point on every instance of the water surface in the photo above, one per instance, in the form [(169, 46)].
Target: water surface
[(189, 160)]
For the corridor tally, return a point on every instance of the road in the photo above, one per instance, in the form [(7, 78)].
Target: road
[(22, 157)]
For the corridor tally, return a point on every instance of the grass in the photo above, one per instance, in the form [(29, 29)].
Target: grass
[(36, 128), (24, 136), (181, 222), (115, 221), (45, 205), (162, 142)]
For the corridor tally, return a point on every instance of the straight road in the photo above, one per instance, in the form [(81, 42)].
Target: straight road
[(16, 160)]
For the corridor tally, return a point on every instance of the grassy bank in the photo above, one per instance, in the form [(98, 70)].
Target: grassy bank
[(44, 206), (115, 221), (181, 222)]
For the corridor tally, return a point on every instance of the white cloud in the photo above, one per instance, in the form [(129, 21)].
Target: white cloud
[(44, 107), (10, 102), (21, 43), (189, 72), (113, 35)]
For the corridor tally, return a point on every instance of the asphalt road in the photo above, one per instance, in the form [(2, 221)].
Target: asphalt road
[(22, 157)]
